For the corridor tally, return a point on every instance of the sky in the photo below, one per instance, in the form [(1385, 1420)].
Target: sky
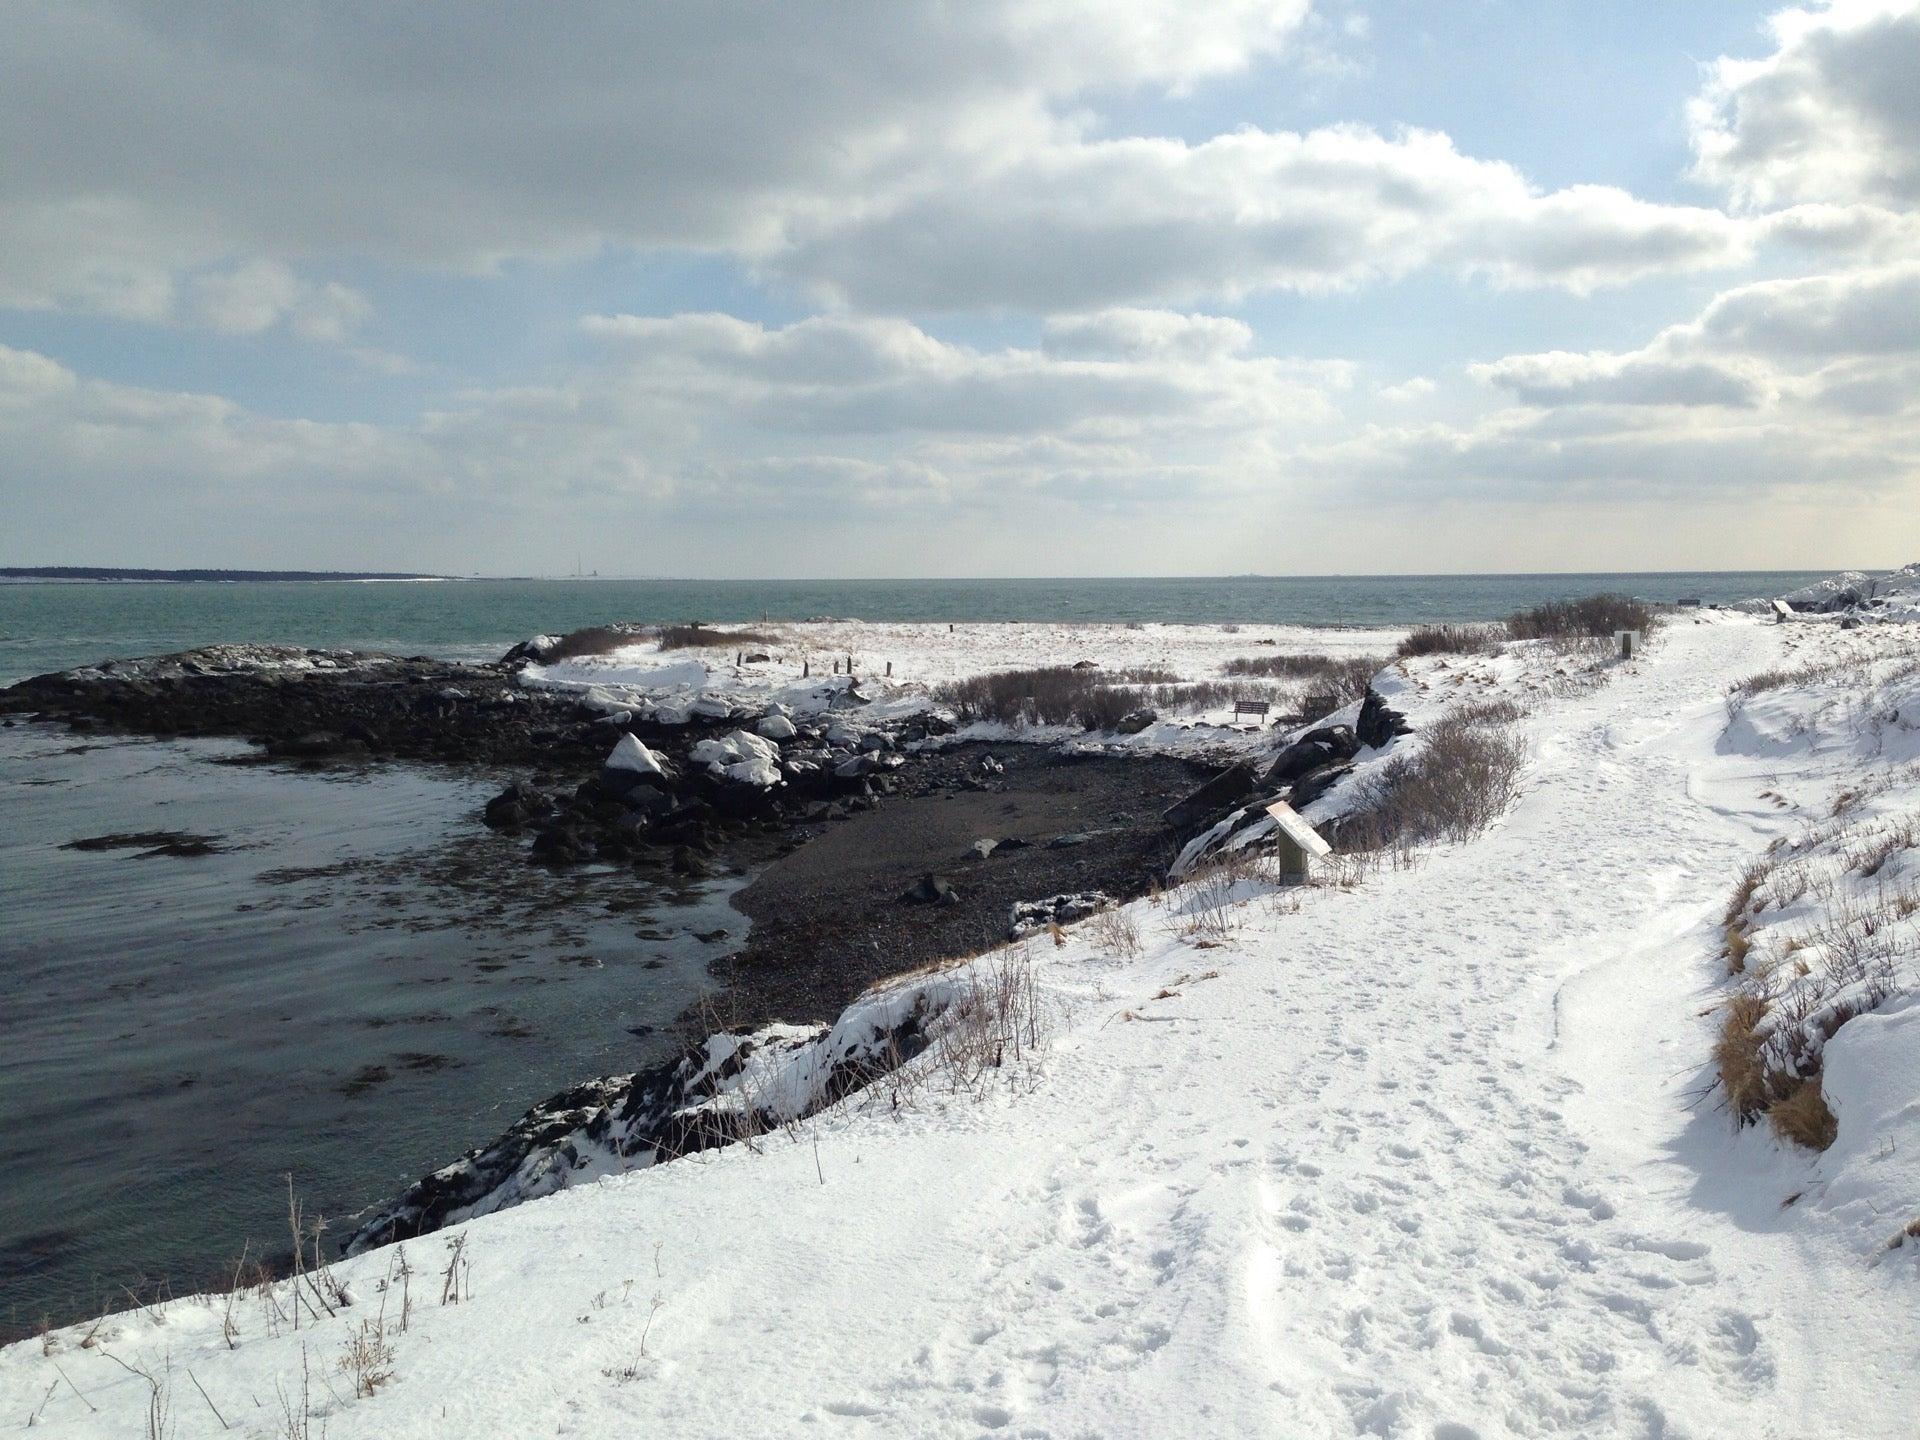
[(924, 288)]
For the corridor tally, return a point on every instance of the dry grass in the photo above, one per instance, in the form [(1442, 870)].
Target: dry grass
[(1738, 946), (1115, 931), (1803, 1117), (1738, 1056)]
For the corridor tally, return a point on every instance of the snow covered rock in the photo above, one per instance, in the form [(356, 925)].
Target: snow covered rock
[(1029, 917), (776, 727), (742, 757), (631, 764)]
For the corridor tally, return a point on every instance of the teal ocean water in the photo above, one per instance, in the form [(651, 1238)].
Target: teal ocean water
[(48, 627)]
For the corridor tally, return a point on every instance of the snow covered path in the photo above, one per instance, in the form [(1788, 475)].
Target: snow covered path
[(1423, 1158)]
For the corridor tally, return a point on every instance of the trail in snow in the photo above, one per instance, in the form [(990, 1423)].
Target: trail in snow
[(1424, 1158)]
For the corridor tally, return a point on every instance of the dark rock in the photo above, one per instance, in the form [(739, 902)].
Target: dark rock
[(1311, 786), (930, 890), (1220, 793), (1134, 721), (1071, 840), (1030, 916), (516, 805), (1379, 723), (981, 849)]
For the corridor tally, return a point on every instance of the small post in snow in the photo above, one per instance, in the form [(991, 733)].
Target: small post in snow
[(1626, 639)]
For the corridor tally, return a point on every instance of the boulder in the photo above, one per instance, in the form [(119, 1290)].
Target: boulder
[(1379, 723), (1311, 786), (930, 889), (1134, 721), (776, 727), (515, 806), (981, 849), (1221, 792), (631, 764)]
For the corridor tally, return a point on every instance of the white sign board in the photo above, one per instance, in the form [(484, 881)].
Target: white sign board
[(1297, 829)]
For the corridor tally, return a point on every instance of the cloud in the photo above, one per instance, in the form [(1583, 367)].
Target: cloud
[(1561, 378), (902, 156), (1864, 312), (1073, 224), (1125, 372), (149, 139), (1833, 114), (255, 297), (684, 419)]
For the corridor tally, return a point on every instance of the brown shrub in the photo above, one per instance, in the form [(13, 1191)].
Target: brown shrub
[(695, 635), (1463, 778), (1594, 616), (1052, 695), (1448, 640), (595, 640)]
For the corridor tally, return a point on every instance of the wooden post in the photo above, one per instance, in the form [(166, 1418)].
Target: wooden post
[(889, 669), (806, 669), (1626, 638)]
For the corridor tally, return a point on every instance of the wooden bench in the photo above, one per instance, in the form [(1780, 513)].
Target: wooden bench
[(1251, 709)]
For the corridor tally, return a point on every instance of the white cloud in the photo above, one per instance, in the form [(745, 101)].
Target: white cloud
[(1562, 378), (1073, 224), (255, 297), (903, 155), (147, 139), (1833, 114)]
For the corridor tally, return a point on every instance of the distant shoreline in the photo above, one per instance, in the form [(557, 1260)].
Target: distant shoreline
[(107, 575)]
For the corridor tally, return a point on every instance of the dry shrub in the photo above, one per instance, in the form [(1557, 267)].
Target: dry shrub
[(697, 635), (998, 1020), (1115, 931), (1594, 616), (1463, 778), (595, 640), (1738, 1057), (1448, 640)]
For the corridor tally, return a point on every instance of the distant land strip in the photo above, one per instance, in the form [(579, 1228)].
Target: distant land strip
[(110, 572)]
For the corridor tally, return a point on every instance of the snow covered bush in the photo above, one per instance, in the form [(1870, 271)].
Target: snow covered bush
[(1823, 929)]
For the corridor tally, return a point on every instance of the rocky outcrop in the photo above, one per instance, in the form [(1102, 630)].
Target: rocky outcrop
[(731, 1086), (1029, 917)]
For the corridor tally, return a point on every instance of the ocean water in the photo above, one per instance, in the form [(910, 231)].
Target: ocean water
[(345, 992), (51, 627)]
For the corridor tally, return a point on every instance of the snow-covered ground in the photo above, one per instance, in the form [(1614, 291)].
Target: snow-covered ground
[(900, 666), (1431, 1155)]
